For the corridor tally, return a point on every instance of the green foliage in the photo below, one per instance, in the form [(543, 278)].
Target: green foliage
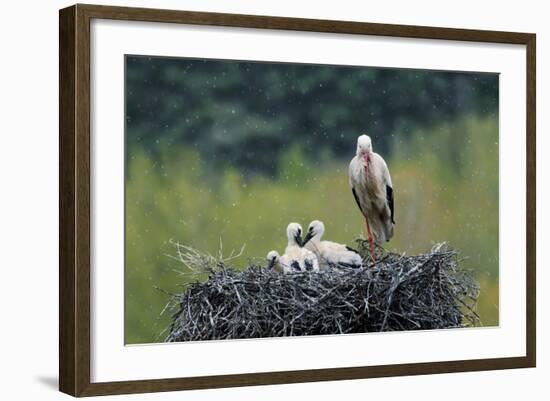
[(446, 189), (251, 112)]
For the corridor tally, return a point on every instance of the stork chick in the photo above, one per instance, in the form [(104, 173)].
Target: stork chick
[(372, 189), (299, 259), (274, 262), (281, 264), (329, 254)]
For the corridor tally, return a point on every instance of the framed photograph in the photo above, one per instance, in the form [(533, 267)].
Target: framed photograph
[(249, 200)]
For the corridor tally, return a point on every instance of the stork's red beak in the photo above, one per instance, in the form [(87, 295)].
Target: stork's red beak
[(366, 158)]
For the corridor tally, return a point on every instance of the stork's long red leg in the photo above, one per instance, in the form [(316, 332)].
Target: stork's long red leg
[(371, 241)]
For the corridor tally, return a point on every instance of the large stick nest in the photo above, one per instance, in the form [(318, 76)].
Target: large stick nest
[(397, 292)]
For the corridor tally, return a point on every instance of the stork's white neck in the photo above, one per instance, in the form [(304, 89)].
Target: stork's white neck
[(319, 231), (293, 231), (366, 162), (292, 239)]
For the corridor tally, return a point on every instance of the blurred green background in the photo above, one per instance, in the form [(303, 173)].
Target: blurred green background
[(233, 151)]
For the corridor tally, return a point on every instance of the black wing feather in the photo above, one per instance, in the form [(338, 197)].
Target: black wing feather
[(357, 200), (352, 250), (389, 198)]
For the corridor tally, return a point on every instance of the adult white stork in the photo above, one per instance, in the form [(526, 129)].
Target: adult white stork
[(372, 189), (329, 254)]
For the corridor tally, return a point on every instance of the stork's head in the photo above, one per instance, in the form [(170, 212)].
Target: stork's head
[(364, 145), (315, 231), (294, 234), (364, 150), (272, 259)]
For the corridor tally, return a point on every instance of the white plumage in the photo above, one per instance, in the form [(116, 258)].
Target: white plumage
[(281, 264), (274, 261), (295, 259), (298, 256), (372, 188), (329, 254)]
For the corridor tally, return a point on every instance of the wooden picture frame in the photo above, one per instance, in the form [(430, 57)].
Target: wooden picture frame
[(74, 199)]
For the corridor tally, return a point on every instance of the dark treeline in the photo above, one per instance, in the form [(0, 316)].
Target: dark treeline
[(247, 113)]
